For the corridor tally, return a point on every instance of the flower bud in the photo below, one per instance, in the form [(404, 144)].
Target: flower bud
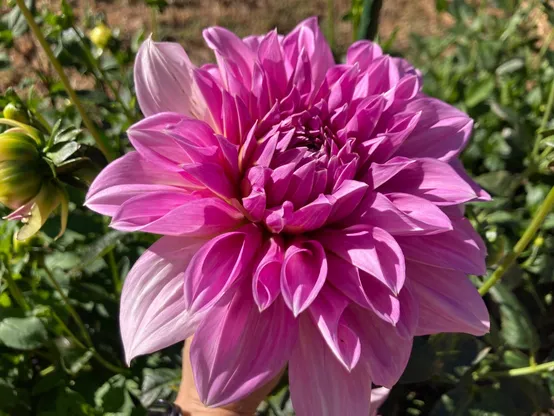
[(100, 35), (11, 112)]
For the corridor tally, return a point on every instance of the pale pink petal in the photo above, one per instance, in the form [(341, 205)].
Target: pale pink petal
[(127, 177), (319, 383), (460, 249), (378, 397), (448, 301), (176, 214), (303, 274), (153, 314), (164, 82), (237, 348)]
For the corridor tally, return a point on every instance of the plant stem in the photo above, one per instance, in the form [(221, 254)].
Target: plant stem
[(544, 122), (115, 272), (65, 81), (516, 372), (522, 244), (331, 23), (14, 289), (95, 353), (154, 21), (103, 76), (68, 306)]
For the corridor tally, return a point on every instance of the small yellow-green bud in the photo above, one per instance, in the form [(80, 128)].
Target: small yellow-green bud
[(19, 182), (11, 112), (539, 241), (100, 35)]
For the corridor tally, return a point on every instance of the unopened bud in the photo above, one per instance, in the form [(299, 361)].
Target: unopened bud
[(11, 112), (100, 35)]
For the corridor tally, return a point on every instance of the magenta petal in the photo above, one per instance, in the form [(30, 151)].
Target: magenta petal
[(267, 273), (327, 313), (441, 133), (309, 217), (448, 301), (164, 81), (385, 350), (363, 289), (346, 198), (176, 214), (153, 314), (218, 264), (372, 250), (308, 36), (363, 53), (319, 383), (402, 214), (433, 180), (212, 177), (460, 249), (127, 177), (303, 274), (237, 349)]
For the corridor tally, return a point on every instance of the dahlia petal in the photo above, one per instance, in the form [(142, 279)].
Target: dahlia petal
[(378, 397), (379, 174), (460, 249), (372, 250), (402, 214), (448, 301), (310, 217), (402, 125), (441, 132), (308, 36), (363, 52), (234, 57), (346, 198), (363, 289), (303, 274), (319, 383), (175, 214), (267, 273), (385, 350), (153, 314), (270, 56), (230, 352), (431, 179), (255, 204), (151, 139), (212, 177), (301, 184), (327, 312), (164, 81), (127, 177), (217, 265), (482, 195)]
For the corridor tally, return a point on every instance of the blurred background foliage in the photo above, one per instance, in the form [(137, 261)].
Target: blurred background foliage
[(60, 352)]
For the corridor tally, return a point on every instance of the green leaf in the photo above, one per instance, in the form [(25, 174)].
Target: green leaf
[(517, 328), (479, 91), (422, 364), (158, 383), (496, 182), (99, 248), (23, 333), (62, 151), (113, 396), (510, 66)]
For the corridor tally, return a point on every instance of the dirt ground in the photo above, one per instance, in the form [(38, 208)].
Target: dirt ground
[(184, 20)]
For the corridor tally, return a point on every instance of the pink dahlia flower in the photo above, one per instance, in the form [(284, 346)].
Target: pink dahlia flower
[(311, 213)]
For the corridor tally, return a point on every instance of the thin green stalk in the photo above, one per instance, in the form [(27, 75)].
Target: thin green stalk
[(154, 21), (77, 342), (104, 77), (68, 306), (115, 272), (104, 147), (522, 244), (544, 122), (14, 289), (331, 23), (524, 371)]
